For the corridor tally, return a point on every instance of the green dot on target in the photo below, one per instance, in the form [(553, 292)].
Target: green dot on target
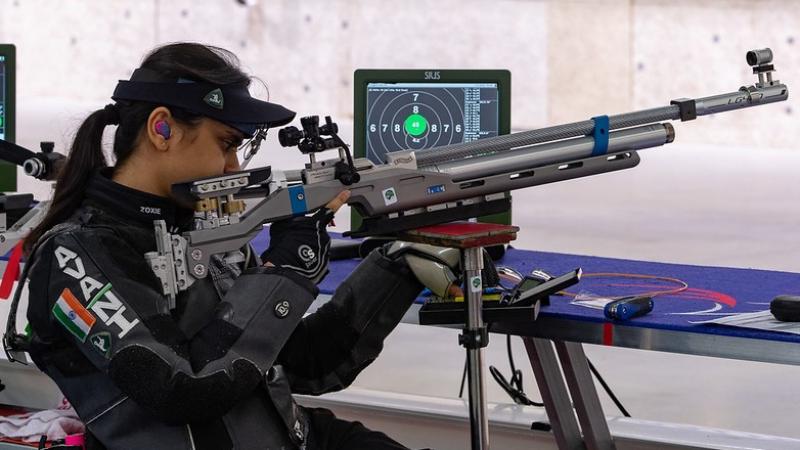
[(416, 124)]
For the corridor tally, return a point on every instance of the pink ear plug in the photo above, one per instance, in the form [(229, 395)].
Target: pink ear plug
[(162, 129)]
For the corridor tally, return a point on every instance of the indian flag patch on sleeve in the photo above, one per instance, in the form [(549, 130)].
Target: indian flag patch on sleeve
[(72, 315)]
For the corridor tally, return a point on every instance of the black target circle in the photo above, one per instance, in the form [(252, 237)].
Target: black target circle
[(414, 119)]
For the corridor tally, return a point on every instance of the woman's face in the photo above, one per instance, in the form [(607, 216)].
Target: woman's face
[(206, 150)]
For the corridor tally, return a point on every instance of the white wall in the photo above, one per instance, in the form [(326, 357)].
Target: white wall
[(570, 60)]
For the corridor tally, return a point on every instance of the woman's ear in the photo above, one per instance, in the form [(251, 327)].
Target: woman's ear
[(160, 128)]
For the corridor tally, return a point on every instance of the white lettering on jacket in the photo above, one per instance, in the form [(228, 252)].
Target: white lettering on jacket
[(108, 308)]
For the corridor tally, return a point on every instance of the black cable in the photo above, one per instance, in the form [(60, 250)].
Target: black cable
[(514, 386), (510, 355), (463, 379), (608, 389), (515, 393)]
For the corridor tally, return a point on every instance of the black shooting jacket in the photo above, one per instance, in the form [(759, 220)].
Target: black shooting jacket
[(218, 371)]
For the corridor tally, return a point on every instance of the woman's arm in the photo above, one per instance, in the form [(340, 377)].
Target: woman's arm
[(333, 345), (122, 326)]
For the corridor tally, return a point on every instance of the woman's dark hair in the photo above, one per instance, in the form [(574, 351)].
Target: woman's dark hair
[(179, 60)]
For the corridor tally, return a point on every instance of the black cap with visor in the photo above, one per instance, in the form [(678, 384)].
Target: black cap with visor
[(230, 104)]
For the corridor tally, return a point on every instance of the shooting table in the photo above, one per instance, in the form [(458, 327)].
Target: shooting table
[(669, 327)]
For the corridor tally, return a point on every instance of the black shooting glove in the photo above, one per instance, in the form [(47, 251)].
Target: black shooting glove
[(301, 244)]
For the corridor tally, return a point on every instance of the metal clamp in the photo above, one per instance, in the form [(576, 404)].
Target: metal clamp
[(169, 262), (472, 339), (687, 107)]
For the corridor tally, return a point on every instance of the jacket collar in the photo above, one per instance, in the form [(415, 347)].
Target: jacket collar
[(134, 205)]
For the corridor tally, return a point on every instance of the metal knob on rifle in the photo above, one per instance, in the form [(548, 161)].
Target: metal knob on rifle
[(759, 57), (289, 136), (46, 164), (309, 139), (761, 61)]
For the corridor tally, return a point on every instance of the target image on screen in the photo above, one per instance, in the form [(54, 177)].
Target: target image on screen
[(411, 109), (414, 116)]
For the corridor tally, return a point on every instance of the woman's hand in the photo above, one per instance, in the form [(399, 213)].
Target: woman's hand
[(302, 243), (337, 202)]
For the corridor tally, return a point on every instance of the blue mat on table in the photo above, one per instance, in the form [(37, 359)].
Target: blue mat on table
[(713, 290)]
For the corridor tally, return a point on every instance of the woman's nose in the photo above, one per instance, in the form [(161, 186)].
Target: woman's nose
[(232, 163)]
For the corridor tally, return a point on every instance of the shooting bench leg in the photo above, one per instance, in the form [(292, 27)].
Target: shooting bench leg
[(584, 396), (474, 338), (470, 238), (553, 389)]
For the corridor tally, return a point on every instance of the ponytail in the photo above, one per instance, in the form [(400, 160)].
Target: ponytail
[(85, 157)]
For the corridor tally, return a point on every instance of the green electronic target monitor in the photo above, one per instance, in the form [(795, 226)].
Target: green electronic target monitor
[(419, 109), (8, 171)]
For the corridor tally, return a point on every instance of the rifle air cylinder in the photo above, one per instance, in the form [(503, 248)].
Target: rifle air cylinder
[(565, 151)]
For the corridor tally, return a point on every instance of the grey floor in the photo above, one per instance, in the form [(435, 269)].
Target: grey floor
[(684, 203)]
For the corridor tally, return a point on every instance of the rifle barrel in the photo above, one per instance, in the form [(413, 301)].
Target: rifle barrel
[(743, 98)]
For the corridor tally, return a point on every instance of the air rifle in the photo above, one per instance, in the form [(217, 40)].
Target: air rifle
[(423, 187)]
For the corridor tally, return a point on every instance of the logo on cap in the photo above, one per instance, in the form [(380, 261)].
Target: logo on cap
[(214, 99)]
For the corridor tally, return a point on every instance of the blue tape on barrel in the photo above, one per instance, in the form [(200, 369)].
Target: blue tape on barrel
[(600, 135)]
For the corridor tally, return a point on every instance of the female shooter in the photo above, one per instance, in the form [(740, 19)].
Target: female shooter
[(218, 371)]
